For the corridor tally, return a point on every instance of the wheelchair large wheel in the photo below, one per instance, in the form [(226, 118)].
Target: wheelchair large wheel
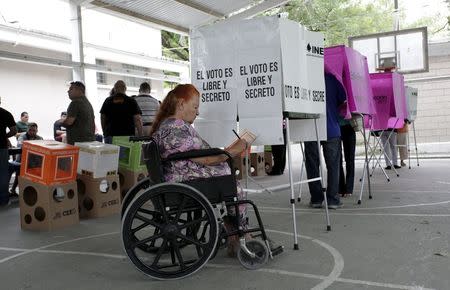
[(131, 194), (169, 231)]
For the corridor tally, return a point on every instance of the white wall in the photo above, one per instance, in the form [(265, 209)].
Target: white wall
[(39, 90)]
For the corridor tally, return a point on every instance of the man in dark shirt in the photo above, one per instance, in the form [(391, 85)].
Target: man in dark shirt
[(120, 114), (22, 125), (6, 121), (58, 130), (335, 96), (79, 124)]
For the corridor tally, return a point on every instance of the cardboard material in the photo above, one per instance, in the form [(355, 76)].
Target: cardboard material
[(49, 162), (411, 100), (97, 159), (130, 155), (47, 207), (98, 197), (127, 179), (268, 161), (257, 164), (239, 166)]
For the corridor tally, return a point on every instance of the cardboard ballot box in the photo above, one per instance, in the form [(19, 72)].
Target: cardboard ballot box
[(128, 179), (239, 166), (268, 161), (49, 162), (130, 155), (257, 164), (47, 207), (98, 197), (97, 159)]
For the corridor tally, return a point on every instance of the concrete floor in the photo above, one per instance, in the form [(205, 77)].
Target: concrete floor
[(398, 240)]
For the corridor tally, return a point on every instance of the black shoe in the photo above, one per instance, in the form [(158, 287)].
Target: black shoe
[(387, 168), (335, 206), (397, 167), (315, 204)]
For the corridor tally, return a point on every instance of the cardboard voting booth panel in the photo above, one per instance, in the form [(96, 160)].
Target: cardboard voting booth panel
[(351, 69), (97, 159), (49, 162), (127, 179), (130, 154), (47, 207), (389, 100), (255, 69), (98, 197), (411, 100)]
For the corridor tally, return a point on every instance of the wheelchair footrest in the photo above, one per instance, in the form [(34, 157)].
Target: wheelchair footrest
[(276, 251)]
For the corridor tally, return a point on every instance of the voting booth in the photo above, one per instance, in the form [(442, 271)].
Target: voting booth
[(260, 71), (411, 100), (48, 198), (389, 101)]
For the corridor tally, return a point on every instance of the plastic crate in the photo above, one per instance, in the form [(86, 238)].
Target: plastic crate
[(130, 154), (97, 159)]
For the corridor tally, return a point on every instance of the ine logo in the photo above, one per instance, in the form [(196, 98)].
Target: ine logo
[(314, 49)]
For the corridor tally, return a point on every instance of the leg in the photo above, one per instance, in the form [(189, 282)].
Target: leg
[(349, 142), (332, 152), (312, 171), (4, 174), (403, 147), (277, 152), (393, 149), (386, 147), (342, 186)]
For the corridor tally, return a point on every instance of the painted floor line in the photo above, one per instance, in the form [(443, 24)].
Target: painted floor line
[(239, 268), (54, 244)]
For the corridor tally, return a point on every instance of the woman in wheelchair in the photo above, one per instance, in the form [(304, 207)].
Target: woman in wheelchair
[(174, 136)]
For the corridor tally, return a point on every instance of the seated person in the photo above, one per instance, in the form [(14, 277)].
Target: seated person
[(14, 166), (59, 132), (173, 131)]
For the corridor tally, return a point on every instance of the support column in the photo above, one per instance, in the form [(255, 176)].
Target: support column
[(77, 48)]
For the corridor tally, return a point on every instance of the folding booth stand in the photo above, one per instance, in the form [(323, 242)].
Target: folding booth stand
[(390, 111), (264, 70)]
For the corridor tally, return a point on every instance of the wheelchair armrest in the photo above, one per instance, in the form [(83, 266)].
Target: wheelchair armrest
[(197, 153)]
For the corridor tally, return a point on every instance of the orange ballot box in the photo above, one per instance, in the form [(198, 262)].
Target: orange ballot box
[(49, 162)]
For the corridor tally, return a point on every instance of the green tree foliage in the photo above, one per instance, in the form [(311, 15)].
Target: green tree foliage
[(175, 46), (339, 19)]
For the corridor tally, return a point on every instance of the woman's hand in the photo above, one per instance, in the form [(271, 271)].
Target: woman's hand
[(237, 148)]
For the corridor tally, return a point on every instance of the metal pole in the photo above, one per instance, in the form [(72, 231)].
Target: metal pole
[(321, 177), (415, 143), (291, 181)]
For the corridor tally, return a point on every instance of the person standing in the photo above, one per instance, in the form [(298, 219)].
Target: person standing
[(149, 107), (6, 122), (335, 96), (120, 114), (389, 140), (22, 125), (348, 139), (402, 144), (79, 123)]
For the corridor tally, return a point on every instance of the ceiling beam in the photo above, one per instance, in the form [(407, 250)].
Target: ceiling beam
[(201, 8), (258, 8)]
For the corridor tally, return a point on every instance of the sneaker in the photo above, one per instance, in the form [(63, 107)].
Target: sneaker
[(335, 206), (315, 204), (397, 167), (403, 164), (387, 168)]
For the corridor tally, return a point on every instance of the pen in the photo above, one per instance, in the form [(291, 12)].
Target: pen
[(236, 134)]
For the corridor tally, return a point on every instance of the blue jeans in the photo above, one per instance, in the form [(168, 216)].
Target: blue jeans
[(4, 174), (332, 154)]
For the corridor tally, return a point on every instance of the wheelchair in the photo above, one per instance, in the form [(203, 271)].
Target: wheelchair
[(170, 230)]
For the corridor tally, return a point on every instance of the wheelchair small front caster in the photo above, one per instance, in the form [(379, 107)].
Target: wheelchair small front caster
[(261, 255)]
